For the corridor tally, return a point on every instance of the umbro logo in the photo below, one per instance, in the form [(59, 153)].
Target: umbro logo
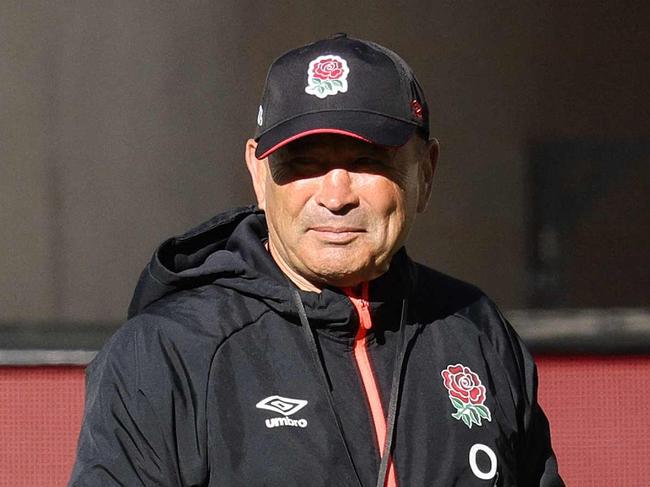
[(285, 406), (282, 405)]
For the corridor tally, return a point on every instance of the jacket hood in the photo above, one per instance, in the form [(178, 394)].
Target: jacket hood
[(196, 258), (228, 250)]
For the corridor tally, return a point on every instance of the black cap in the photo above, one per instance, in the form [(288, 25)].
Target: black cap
[(340, 85)]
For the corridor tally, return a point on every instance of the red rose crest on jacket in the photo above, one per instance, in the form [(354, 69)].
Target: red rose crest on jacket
[(466, 394)]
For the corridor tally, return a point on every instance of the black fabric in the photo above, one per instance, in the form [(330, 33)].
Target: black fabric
[(377, 102), (393, 403), (318, 365), (173, 398), (378, 129)]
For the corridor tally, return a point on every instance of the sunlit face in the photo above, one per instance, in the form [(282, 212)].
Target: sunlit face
[(338, 208)]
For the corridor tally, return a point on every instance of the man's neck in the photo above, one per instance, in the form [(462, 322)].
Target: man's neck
[(293, 276)]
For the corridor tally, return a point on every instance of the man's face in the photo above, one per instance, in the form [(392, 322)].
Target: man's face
[(338, 208)]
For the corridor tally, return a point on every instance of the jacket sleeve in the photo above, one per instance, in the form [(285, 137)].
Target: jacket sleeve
[(537, 465), (537, 462), (135, 407)]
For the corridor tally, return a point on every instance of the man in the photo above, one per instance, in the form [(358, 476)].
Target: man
[(296, 343)]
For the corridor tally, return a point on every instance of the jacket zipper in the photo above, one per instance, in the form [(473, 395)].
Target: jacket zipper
[(360, 352)]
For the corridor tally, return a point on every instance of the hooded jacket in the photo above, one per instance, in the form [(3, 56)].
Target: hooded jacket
[(226, 375)]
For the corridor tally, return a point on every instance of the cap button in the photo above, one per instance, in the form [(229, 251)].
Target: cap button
[(338, 35)]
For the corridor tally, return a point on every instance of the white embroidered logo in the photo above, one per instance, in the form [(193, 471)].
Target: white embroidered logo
[(473, 464), (327, 75), (285, 406), (260, 116)]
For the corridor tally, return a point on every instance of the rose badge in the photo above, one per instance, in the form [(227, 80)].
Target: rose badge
[(467, 394), (327, 75)]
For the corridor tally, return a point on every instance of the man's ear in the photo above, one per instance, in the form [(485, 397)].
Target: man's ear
[(428, 163), (258, 169)]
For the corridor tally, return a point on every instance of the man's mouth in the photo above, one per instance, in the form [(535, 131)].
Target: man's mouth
[(336, 234)]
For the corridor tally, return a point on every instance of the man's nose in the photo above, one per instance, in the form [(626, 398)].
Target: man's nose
[(336, 192)]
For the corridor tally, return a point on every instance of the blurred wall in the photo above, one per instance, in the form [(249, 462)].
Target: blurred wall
[(123, 122)]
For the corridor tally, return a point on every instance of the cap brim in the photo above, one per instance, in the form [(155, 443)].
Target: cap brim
[(369, 127)]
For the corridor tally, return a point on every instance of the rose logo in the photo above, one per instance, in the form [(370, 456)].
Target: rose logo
[(417, 110), (466, 394), (328, 68), (327, 75)]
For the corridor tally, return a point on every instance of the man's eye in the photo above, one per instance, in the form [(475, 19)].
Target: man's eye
[(366, 160), (368, 163), (304, 166), (303, 162)]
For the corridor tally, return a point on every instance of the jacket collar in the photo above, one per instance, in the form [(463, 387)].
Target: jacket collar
[(229, 251), (330, 311)]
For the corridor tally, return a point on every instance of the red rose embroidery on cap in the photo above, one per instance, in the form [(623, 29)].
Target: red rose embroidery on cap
[(328, 68), (327, 75), (466, 394)]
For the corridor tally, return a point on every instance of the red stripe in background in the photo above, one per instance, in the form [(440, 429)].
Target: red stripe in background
[(40, 417)]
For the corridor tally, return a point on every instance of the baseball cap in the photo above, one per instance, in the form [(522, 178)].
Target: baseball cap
[(340, 85)]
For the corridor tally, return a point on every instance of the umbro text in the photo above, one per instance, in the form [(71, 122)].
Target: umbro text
[(275, 422)]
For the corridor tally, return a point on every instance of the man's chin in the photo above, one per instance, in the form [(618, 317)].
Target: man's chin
[(338, 275)]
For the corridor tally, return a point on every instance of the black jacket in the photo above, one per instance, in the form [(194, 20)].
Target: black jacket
[(226, 375)]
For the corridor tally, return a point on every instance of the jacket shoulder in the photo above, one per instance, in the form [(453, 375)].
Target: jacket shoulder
[(442, 297), (206, 313), (146, 390), (183, 330), (466, 312), (442, 294)]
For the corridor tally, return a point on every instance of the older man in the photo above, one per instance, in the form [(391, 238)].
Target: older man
[(295, 343)]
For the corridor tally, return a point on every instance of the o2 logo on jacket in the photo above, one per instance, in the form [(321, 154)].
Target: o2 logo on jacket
[(285, 406), (483, 473)]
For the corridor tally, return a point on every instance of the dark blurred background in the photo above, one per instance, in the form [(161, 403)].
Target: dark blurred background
[(123, 122)]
